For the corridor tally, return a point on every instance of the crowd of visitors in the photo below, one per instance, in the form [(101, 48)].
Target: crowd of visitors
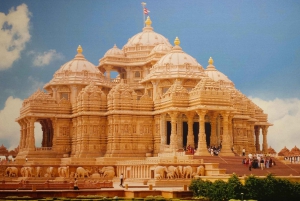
[(214, 151), (258, 161)]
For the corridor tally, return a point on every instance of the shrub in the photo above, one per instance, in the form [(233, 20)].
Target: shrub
[(201, 188), (235, 187)]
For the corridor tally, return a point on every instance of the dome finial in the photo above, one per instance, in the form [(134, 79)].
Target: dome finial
[(148, 22), (79, 49), (210, 61), (176, 41)]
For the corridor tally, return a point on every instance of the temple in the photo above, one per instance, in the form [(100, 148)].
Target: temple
[(161, 102)]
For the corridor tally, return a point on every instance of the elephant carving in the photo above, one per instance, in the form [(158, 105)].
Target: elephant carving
[(38, 172), (49, 172), (11, 172), (170, 175), (180, 171), (158, 176), (63, 171), (200, 171), (172, 172), (187, 172), (160, 170), (26, 171), (107, 172), (81, 172)]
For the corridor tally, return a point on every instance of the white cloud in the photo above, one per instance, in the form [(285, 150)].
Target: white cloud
[(46, 57), (285, 115), (9, 129), (14, 34), (35, 84)]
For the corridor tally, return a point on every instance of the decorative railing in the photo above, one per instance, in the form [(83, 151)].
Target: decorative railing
[(43, 148)]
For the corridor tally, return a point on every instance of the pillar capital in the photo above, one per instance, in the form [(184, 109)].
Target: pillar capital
[(265, 130), (155, 82), (173, 114), (201, 113)]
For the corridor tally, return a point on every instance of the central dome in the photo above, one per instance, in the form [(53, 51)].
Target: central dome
[(142, 43)]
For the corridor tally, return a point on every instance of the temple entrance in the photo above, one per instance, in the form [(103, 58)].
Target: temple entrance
[(184, 134), (208, 133), (38, 134), (46, 133), (168, 132), (196, 132)]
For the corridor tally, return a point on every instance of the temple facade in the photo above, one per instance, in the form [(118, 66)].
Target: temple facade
[(162, 101)]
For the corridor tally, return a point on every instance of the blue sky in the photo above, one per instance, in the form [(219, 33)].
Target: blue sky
[(255, 43)]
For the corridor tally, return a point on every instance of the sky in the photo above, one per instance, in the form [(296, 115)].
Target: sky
[(255, 43)]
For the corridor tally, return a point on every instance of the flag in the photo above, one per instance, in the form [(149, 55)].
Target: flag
[(146, 11)]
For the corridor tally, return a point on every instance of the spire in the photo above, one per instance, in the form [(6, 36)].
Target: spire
[(148, 22), (210, 61), (148, 26), (177, 48), (211, 64), (79, 49), (177, 41), (79, 53)]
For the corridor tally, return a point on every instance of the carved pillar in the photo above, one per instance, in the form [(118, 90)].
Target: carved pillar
[(54, 92), (22, 134), (257, 145), (84, 142), (213, 136), (155, 89), (45, 130), (179, 132), (202, 149), (74, 93), (163, 128), (55, 133), (108, 69), (190, 136), (74, 137), (252, 142), (226, 147), (230, 129), (129, 75), (265, 142), (157, 133), (31, 139), (173, 137)]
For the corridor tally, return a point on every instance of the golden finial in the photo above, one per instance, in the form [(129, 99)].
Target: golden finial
[(79, 49), (148, 22), (176, 41), (210, 61)]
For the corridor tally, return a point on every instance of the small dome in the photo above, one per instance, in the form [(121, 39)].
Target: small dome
[(176, 64), (78, 64), (177, 57), (216, 75), (78, 71), (142, 43), (161, 48), (115, 51)]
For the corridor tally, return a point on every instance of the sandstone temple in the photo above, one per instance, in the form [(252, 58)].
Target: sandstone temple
[(161, 102)]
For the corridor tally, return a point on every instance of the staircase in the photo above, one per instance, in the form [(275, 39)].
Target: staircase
[(233, 164)]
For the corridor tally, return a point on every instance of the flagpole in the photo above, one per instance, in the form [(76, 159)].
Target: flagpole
[(143, 4)]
